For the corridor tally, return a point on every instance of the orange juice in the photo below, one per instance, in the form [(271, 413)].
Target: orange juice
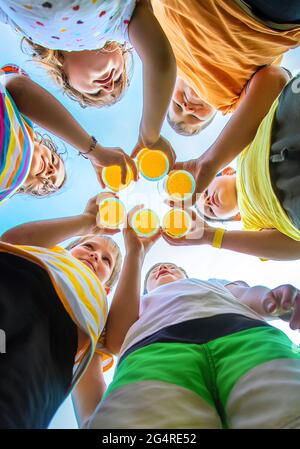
[(112, 177), (176, 223), (180, 185), (152, 164), (145, 222), (112, 213), (139, 156)]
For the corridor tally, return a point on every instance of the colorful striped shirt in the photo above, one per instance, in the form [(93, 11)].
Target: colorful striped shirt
[(81, 294), (16, 142)]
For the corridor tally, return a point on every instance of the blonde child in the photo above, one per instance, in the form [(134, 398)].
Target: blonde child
[(54, 309), (89, 391), (188, 114), (221, 45), (30, 163), (264, 190), (81, 44)]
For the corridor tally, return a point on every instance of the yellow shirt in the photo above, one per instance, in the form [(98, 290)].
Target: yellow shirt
[(257, 201), (81, 294), (218, 46)]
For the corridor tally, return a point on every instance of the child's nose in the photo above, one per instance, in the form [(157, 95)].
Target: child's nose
[(208, 200), (109, 87), (50, 170), (163, 266), (187, 107), (94, 256)]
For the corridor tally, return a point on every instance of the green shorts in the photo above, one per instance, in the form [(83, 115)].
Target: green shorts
[(249, 379)]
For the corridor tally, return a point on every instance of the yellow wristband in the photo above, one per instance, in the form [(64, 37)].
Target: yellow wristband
[(218, 238)]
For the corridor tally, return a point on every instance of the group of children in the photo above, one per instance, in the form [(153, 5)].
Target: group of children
[(60, 334)]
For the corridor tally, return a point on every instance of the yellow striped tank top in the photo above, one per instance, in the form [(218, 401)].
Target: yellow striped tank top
[(81, 294)]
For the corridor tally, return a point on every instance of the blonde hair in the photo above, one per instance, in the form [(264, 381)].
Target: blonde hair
[(47, 188), (52, 61), (118, 263)]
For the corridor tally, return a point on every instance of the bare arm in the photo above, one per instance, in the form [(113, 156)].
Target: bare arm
[(42, 108), (89, 391), (281, 302), (159, 70), (48, 233), (264, 88), (267, 243), (125, 307), (124, 310), (45, 233), (251, 296)]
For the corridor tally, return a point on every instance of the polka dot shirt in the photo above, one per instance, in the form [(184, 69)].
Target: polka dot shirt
[(70, 25)]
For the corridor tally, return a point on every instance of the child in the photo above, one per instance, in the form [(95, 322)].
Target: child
[(87, 394), (201, 355), (31, 164), (265, 190), (188, 114), (53, 311), (220, 46), (78, 43)]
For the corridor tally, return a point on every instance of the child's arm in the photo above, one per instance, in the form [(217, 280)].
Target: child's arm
[(124, 310), (264, 88), (277, 302), (267, 243), (89, 391), (159, 70), (48, 233), (45, 110)]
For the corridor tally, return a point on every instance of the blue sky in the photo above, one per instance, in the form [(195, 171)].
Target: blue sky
[(118, 126)]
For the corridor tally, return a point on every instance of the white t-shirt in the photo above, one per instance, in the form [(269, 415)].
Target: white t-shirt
[(70, 25), (180, 301)]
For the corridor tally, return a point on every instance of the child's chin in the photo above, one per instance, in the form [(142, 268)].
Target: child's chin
[(166, 280)]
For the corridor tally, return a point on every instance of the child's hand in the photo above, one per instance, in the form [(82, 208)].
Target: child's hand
[(162, 144), (89, 216), (203, 171), (134, 243), (201, 233), (282, 300), (104, 157)]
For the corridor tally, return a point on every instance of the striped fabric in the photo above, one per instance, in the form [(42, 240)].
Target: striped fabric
[(16, 141), (80, 292)]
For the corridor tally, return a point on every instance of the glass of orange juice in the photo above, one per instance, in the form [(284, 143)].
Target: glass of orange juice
[(112, 213), (176, 223), (153, 165), (145, 222), (112, 177), (179, 185)]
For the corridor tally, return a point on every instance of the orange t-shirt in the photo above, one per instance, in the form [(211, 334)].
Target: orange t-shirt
[(218, 46)]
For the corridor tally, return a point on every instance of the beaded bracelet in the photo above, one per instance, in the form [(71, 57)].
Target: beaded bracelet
[(92, 147)]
